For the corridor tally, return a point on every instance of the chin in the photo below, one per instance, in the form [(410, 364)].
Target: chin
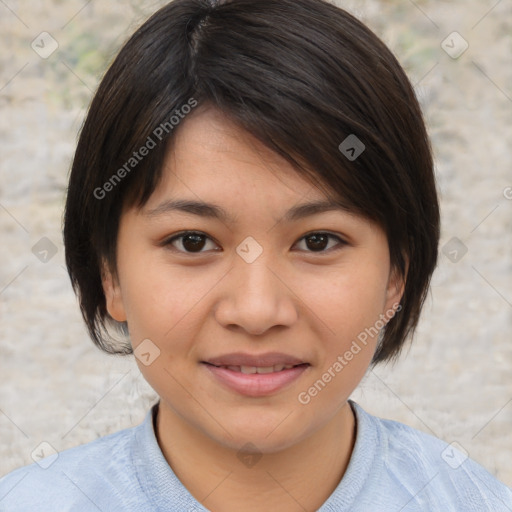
[(267, 436)]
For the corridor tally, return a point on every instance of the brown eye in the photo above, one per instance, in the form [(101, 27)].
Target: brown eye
[(190, 241), (318, 242)]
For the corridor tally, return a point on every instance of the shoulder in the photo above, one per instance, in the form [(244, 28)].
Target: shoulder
[(430, 472), (82, 476)]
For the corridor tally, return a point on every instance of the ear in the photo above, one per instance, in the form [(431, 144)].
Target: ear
[(113, 295), (396, 286)]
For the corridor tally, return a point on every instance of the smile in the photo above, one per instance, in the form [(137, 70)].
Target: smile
[(256, 381), (258, 369)]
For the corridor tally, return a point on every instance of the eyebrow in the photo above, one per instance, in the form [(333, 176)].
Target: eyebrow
[(213, 211)]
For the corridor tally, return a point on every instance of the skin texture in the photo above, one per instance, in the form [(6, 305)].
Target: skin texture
[(292, 299)]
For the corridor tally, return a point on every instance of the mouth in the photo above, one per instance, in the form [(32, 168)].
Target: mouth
[(248, 370), (255, 381)]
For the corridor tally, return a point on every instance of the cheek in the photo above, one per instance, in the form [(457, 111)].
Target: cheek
[(161, 299), (346, 300), (348, 310)]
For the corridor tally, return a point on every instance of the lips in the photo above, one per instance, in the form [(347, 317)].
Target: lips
[(255, 375), (240, 360), (256, 384), (258, 369)]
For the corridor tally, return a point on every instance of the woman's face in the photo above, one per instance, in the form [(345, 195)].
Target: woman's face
[(270, 284)]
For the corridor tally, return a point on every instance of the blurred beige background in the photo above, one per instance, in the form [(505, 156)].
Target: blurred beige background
[(456, 380)]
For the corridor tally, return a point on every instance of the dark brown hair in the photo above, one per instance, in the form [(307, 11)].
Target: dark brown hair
[(299, 75)]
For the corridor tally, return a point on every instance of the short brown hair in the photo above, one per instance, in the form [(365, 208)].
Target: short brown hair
[(299, 75)]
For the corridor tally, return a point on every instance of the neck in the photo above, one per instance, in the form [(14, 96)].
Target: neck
[(301, 476)]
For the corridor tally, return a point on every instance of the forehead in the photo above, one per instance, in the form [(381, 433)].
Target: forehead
[(211, 159), (209, 144)]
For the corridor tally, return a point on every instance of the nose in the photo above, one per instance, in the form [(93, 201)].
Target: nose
[(256, 297)]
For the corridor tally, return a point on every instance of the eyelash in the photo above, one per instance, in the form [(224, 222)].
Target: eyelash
[(168, 242)]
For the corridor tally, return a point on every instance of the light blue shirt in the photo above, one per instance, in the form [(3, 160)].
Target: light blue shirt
[(393, 468)]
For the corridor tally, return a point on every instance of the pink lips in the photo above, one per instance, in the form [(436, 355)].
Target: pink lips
[(244, 359), (256, 384)]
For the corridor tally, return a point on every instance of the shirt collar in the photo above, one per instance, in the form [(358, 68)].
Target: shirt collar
[(165, 490)]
